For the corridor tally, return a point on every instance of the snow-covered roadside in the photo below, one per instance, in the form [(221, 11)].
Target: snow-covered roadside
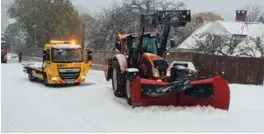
[(91, 107)]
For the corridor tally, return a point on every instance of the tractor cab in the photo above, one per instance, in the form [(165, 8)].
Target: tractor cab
[(128, 42), (128, 45)]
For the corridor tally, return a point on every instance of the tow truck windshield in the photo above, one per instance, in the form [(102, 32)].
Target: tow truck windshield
[(66, 55)]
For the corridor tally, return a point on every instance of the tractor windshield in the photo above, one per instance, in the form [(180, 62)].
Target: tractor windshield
[(64, 55), (149, 44)]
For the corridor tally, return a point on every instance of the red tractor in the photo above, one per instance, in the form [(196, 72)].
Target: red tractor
[(142, 75)]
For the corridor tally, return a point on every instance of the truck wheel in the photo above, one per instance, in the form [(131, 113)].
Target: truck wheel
[(30, 76), (117, 81), (128, 92), (46, 80), (77, 84)]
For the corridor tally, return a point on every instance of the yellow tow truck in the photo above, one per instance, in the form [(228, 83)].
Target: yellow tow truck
[(64, 62)]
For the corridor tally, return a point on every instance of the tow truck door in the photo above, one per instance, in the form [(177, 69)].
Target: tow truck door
[(46, 61)]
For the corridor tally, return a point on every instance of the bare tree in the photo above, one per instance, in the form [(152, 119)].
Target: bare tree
[(252, 47), (122, 19), (218, 44), (254, 13), (236, 45), (146, 6)]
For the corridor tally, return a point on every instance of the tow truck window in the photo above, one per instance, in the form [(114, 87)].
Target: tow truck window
[(66, 55)]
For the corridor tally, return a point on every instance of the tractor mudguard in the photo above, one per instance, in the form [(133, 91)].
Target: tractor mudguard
[(207, 92), (121, 58), (108, 69)]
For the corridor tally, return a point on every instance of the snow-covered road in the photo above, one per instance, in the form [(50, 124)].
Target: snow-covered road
[(91, 107)]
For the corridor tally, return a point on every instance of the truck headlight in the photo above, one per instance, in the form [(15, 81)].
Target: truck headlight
[(82, 77), (54, 78)]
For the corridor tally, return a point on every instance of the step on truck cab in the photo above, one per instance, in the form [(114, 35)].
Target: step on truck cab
[(64, 62)]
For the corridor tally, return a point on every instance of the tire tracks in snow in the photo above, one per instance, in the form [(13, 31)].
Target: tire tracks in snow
[(84, 118)]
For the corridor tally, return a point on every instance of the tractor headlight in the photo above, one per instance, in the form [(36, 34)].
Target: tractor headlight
[(156, 72)]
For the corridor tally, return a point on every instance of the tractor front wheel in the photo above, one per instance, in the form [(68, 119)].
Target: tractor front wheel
[(118, 80), (128, 92)]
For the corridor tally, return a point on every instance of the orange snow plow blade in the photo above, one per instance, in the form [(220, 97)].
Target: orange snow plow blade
[(212, 92)]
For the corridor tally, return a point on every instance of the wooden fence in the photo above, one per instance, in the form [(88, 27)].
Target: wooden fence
[(242, 70)]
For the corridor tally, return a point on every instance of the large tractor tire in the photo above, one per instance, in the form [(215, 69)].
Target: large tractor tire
[(128, 92), (118, 82)]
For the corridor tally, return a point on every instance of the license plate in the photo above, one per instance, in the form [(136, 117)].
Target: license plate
[(69, 81)]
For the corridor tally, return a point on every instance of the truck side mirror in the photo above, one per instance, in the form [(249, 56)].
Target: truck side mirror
[(89, 55), (44, 55), (172, 43)]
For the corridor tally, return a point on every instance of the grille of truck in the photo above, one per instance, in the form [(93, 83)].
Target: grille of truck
[(69, 73)]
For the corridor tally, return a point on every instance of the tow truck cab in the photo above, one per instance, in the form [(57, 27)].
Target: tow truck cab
[(64, 62)]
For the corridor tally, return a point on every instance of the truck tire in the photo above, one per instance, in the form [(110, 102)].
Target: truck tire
[(30, 76), (45, 80), (118, 83)]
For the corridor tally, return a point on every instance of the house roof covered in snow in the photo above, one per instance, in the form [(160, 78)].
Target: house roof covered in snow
[(252, 29)]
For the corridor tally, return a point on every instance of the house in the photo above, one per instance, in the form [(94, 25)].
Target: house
[(238, 30)]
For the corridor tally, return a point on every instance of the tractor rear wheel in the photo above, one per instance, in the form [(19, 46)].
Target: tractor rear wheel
[(118, 80)]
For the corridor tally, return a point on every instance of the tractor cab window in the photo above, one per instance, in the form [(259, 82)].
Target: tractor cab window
[(149, 44), (134, 43)]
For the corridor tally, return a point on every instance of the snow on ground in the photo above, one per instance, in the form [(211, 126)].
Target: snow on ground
[(11, 57), (91, 107)]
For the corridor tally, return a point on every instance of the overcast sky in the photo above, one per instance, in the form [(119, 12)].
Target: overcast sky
[(225, 8)]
